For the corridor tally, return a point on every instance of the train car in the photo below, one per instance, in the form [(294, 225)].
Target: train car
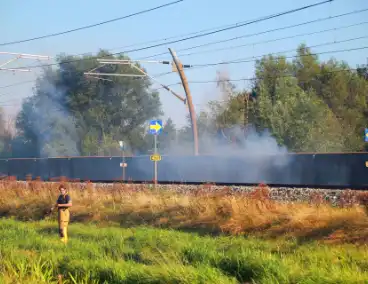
[(341, 170)]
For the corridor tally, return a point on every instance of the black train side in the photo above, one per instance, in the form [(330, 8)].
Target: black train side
[(345, 170)]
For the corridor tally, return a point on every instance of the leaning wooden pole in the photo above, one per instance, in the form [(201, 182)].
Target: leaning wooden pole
[(193, 118)]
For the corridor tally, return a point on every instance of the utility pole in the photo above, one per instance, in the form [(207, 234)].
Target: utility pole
[(193, 118)]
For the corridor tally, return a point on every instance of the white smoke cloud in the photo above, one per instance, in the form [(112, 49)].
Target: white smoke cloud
[(254, 158), (53, 125)]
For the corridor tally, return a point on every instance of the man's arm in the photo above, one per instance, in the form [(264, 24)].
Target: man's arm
[(65, 205), (69, 204)]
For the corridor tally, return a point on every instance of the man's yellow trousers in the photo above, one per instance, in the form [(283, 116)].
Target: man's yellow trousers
[(64, 216)]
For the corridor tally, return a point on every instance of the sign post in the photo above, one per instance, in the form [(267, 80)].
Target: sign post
[(155, 129), (366, 140), (123, 164), (155, 162)]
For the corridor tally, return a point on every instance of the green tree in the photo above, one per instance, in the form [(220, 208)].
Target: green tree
[(73, 114), (342, 89), (284, 104), (299, 120)]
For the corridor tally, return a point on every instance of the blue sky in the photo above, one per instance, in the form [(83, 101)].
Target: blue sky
[(26, 19)]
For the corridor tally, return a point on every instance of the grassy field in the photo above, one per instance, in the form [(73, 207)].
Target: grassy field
[(31, 253), (121, 235)]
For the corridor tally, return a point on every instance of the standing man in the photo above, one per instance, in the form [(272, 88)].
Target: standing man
[(63, 204)]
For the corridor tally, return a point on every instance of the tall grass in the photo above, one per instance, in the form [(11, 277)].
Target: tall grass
[(200, 210)]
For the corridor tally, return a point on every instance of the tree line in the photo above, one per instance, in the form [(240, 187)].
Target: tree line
[(307, 105)]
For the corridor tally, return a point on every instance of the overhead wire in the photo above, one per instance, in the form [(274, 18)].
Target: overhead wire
[(247, 79), (239, 79), (176, 36), (252, 78), (191, 37), (193, 33), (226, 40), (252, 58), (268, 77), (272, 40), (261, 33), (166, 73), (93, 25), (244, 60), (16, 84)]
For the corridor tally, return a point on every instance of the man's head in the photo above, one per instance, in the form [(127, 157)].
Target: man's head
[(62, 189)]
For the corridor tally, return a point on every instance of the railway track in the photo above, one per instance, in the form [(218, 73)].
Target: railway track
[(207, 183), (300, 186)]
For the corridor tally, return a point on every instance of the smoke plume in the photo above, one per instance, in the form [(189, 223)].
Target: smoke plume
[(51, 122), (232, 155)]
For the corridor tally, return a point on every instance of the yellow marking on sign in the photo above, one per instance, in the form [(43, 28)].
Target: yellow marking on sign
[(155, 157)]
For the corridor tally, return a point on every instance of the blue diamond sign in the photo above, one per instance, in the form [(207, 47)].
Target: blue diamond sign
[(366, 135), (155, 127)]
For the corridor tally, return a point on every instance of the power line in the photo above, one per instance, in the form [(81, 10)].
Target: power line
[(91, 26), (196, 36), (267, 77), (20, 83), (353, 12), (250, 79), (272, 40), (172, 37), (215, 42), (246, 59), (262, 78), (245, 79), (260, 33), (201, 31), (252, 59), (177, 36)]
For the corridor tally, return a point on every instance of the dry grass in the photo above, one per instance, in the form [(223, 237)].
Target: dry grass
[(201, 210)]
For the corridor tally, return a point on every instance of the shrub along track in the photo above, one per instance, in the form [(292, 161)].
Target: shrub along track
[(293, 193), (288, 193)]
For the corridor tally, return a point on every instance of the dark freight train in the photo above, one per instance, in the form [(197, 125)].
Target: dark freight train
[(324, 170)]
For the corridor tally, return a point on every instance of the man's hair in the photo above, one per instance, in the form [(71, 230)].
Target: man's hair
[(62, 186)]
